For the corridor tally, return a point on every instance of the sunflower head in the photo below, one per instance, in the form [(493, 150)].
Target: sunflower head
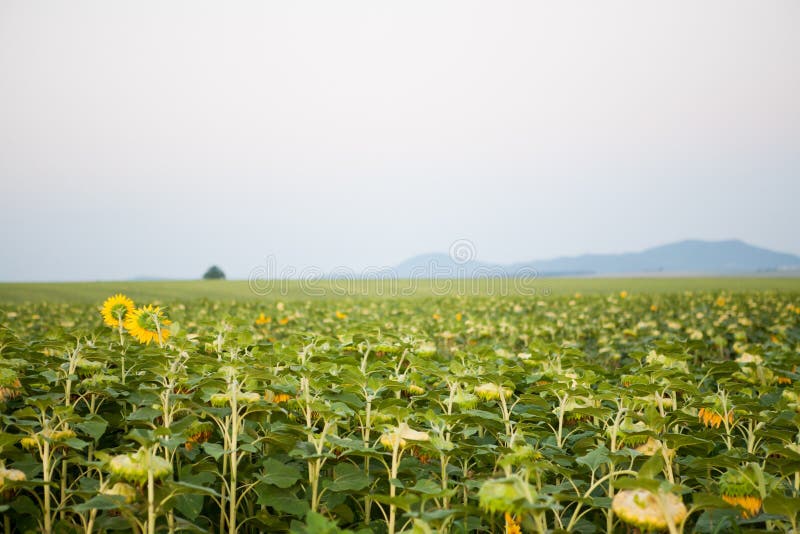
[(148, 324), (491, 391), (116, 309), (714, 417), (512, 524), (198, 432), (400, 435), (122, 490), (505, 494), (7, 478), (647, 510), (741, 489), (10, 386), (134, 467)]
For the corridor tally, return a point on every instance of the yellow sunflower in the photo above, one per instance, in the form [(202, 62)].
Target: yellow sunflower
[(263, 319), (115, 309), (512, 525), (647, 510), (148, 324), (713, 417)]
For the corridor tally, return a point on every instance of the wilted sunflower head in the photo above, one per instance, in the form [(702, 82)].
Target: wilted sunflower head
[(8, 476), (278, 397), (400, 435), (647, 510), (491, 391), (740, 488), (133, 467), (714, 417), (148, 324), (115, 309), (10, 386), (631, 434), (127, 492), (505, 494), (512, 525)]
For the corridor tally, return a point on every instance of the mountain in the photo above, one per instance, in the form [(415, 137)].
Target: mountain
[(691, 256)]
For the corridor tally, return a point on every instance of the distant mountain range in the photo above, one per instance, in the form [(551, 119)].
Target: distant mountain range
[(684, 257)]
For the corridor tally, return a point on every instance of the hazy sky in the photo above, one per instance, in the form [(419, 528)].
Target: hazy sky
[(156, 138)]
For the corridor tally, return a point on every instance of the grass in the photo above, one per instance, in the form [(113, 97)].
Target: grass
[(171, 291)]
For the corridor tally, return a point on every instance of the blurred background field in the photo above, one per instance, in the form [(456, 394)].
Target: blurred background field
[(240, 290)]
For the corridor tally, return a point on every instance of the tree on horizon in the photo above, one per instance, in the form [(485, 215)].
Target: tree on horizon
[(214, 273)]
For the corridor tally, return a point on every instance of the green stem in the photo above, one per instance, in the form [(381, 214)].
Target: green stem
[(47, 477), (234, 461), (151, 499)]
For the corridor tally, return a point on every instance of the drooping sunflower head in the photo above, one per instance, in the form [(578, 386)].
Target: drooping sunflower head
[(512, 524), (116, 309), (125, 492), (631, 434), (10, 386), (714, 417), (133, 467), (400, 435), (198, 432), (148, 324), (7, 478), (647, 510), (491, 391), (505, 494), (740, 489)]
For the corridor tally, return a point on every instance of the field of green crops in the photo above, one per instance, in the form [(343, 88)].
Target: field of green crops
[(596, 406)]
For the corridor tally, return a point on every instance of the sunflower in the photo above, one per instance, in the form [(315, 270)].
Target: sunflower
[(134, 467), (9, 475), (199, 432), (10, 386), (740, 490), (647, 510), (121, 490), (712, 417), (397, 436), (277, 398), (115, 309), (492, 391), (512, 525), (148, 324)]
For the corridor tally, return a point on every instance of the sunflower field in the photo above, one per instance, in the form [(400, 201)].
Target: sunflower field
[(618, 412)]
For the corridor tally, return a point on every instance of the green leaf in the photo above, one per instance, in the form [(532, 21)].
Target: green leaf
[(214, 450), (594, 459), (189, 505), (100, 502), (280, 474), (318, 524), (144, 414), (76, 443), (348, 477), (782, 505), (94, 427), (427, 487), (708, 500), (280, 500), (652, 466)]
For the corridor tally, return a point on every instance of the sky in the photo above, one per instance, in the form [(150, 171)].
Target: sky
[(156, 138)]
